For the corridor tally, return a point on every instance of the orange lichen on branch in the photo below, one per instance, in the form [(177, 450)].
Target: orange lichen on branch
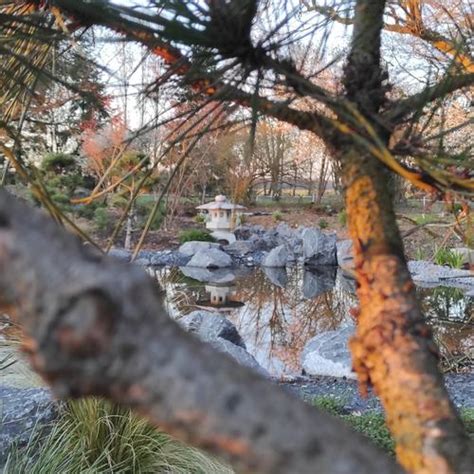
[(392, 348)]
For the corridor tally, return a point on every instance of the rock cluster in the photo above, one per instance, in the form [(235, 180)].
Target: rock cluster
[(255, 245)]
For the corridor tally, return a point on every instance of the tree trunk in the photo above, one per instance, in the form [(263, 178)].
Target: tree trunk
[(128, 232), (393, 348)]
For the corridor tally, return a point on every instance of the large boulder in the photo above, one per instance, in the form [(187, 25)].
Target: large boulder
[(318, 281), (210, 258), (22, 411), (193, 247), (345, 258), (328, 354), (239, 354), (277, 257), (209, 326), (318, 248)]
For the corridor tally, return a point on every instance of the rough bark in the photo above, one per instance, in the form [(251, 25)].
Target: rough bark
[(96, 326), (392, 348)]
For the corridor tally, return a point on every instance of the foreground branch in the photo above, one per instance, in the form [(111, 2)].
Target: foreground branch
[(98, 327)]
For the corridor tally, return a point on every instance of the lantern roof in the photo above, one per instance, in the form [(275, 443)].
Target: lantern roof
[(220, 202)]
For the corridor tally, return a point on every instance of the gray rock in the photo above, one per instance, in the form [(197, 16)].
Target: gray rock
[(167, 257), (210, 326), (260, 243), (244, 232), (269, 240), (277, 257), (241, 248), (328, 354), (210, 258), (121, 254), (285, 232), (428, 274), (345, 283), (205, 275), (191, 248), (345, 258), (239, 355), (318, 281), (319, 248), (22, 411), (143, 262), (277, 276), (224, 237)]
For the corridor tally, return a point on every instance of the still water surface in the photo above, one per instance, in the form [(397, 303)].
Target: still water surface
[(277, 312)]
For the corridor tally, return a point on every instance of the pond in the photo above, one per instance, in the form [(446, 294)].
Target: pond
[(278, 311)]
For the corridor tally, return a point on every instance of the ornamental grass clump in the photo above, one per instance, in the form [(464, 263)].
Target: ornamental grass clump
[(95, 436)]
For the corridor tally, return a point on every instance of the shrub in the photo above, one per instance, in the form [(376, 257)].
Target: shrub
[(342, 217), (95, 436), (101, 219), (60, 198), (144, 208), (87, 211), (277, 216), (195, 235), (200, 219), (241, 219), (323, 224), (444, 256), (57, 162)]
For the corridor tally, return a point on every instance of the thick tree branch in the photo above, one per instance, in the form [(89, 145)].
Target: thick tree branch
[(98, 327), (400, 110)]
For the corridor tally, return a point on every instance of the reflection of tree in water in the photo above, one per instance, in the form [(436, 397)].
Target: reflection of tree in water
[(451, 316), (289, 318), (277, 322), (182, 292)]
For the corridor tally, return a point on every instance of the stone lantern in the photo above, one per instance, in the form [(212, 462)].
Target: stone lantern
[(222, 217)]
